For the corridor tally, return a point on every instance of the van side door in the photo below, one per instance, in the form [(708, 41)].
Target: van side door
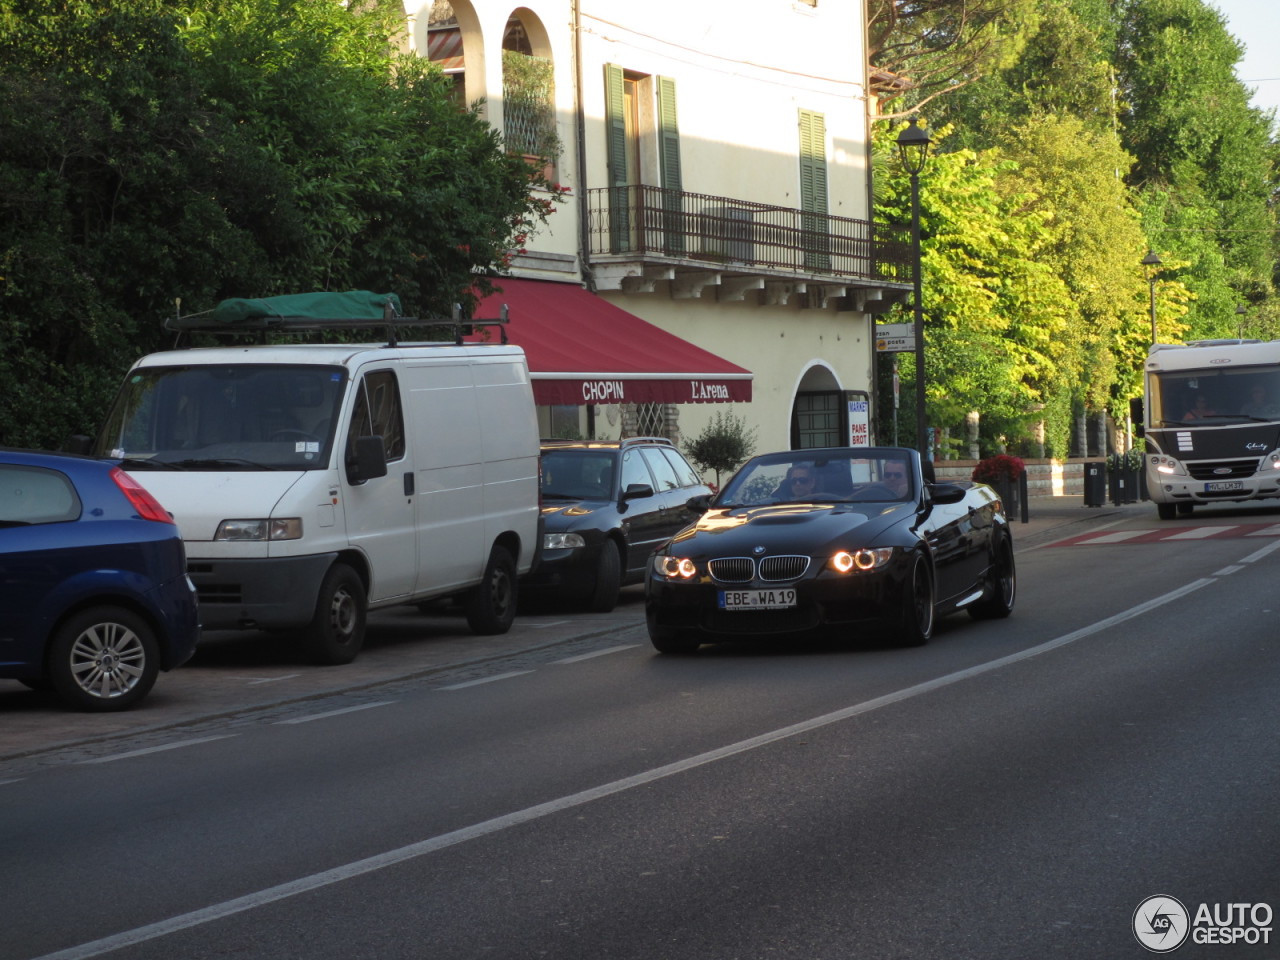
[(380, 512)]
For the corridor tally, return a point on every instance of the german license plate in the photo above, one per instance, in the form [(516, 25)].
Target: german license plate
[(1223, 485), (757, 599)]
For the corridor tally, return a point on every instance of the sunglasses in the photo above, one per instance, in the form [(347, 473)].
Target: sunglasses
[(895, 476), (802, 479)]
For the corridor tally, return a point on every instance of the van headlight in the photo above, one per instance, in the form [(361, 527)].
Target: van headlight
[(287, 528), (1167, 466)]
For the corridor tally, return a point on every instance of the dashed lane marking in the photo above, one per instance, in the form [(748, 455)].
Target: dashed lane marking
[(1176, 534)]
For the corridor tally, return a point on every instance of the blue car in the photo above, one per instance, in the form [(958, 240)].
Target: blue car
[(94, 594)]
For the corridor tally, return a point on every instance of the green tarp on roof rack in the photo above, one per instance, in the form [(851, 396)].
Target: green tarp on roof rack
[(351, 305)]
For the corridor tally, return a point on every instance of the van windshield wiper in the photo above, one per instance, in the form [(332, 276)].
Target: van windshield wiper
[(235, 463)]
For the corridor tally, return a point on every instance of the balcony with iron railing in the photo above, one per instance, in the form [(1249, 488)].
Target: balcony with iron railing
[(641, 233)]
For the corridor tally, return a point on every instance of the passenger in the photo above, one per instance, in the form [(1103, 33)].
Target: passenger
[(1257, 405), (1200, 410)]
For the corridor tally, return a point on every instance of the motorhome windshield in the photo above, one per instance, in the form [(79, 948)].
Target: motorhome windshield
[(1206, 396), (237, 417)]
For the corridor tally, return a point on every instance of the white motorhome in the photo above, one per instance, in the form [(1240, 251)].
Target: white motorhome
[(312, 482), (1212, 423)]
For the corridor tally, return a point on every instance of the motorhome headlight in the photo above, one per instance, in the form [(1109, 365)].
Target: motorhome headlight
[(862, 560), (1273, 460), (1167, 465), (284, 528), (562, 541), (674, 568)]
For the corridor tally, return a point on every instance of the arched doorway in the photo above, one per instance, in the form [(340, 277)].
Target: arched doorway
[(820, 414)]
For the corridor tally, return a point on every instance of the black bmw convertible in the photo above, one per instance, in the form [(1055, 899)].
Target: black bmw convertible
[(831, 537)]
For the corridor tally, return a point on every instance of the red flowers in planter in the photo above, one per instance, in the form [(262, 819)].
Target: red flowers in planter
[(1000, 467)]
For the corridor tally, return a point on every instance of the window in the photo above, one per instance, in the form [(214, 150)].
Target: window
[(651, 420), (813, 190), (36, 495), (634, 470), (818, 421), (662, 469), (688, 476), (378, 414)]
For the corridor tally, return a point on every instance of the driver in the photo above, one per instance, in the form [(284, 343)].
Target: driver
[(895, 477), (797, 484)]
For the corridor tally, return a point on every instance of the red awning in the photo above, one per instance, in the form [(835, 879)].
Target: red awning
[(583, 349)]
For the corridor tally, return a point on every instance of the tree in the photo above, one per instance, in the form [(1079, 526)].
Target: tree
[(938, 46), (151, 151), (724, 443)]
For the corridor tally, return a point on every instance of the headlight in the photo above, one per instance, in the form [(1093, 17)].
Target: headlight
[(1168, 466), (288, 528), (1273, 461), (674, 568), (860, 560), (562, 541)]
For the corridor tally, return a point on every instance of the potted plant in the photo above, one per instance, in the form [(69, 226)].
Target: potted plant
[(528, 111), (1004, 472)]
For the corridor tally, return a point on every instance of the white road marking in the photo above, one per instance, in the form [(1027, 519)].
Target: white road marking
[(287, 676), (1198, 533), (336, 713), (1271, 531), (412, 851), (1116, 537), (597, 653), (164, 746), (1227, 571), (476, 683), (1270, 548)]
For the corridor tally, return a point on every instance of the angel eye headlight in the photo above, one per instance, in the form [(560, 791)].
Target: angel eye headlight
[(674, 568), (862, 560)]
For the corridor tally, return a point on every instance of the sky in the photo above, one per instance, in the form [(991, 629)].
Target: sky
[(1256, 25)]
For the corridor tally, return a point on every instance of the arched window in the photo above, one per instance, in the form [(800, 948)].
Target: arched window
[(444, 46), (528, 96)]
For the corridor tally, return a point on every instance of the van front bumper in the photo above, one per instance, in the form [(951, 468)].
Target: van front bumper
[(277, 593)]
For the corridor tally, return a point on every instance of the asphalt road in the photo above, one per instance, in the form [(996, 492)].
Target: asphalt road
[(1014, 789)]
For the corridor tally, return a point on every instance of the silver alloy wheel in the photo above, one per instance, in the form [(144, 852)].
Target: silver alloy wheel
[(107, 660)]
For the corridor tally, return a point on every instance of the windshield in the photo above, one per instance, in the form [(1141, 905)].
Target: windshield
[(205, 417), (1193, 396), (578, 474), (803, 477)]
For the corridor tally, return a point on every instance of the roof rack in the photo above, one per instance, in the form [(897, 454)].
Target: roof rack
[(353, 310)]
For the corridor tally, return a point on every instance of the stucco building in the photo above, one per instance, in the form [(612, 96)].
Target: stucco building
[(715, 243)]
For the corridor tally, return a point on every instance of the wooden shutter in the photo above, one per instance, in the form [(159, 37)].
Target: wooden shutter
[(669, 167), (615, 122), (813, 190)]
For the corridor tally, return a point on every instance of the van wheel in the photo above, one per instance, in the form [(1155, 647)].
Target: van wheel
[(336, 632), (604, 595), (104, 658), (491, 604), (1166, 511)]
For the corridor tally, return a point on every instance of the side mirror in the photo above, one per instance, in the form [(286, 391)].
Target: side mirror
[(945, 493), (636, 491), (370, 460), (698, 504)]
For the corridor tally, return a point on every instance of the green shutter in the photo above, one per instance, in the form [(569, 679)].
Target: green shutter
[(813, 190), (615, 122), (669, 167)]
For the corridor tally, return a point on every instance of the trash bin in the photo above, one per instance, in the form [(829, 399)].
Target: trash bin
[(1095, 484)]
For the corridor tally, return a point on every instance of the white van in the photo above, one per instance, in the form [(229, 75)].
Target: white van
[(313, 482)]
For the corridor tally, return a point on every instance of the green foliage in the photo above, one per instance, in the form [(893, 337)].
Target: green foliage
[(724, 443), (151, 151)]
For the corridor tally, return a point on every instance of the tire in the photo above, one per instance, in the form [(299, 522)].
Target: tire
[(915, 619), (491, 604), (104, 658), (1001, 586), (336, 631), (678, 643), (1184, 509), (1166, 511), (604, 594)]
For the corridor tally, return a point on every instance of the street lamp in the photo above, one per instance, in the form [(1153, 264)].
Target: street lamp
[(1151, 261), (913, 144)]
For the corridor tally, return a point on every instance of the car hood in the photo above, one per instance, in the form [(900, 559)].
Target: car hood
[(789, 528), (561, 515)]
